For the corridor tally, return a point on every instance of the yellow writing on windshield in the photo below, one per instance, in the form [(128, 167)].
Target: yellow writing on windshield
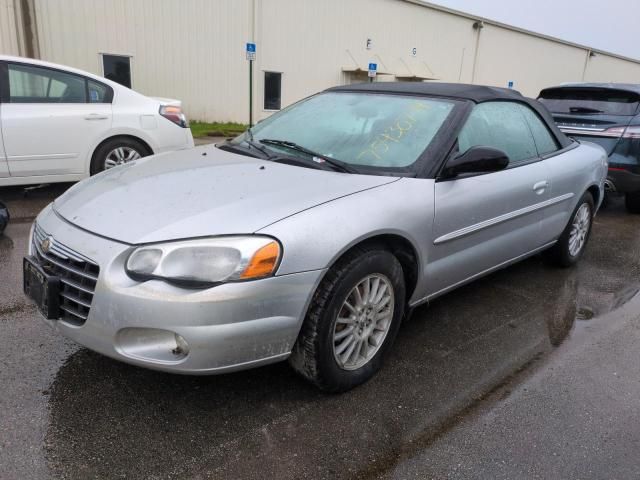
[(393, 133)]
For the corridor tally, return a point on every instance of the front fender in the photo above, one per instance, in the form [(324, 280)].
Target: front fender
[(314, 239)]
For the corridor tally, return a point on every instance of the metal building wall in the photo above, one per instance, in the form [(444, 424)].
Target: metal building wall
[(532, 63), (604, 68), (313, 42), (194, 49), (9, 39), (186, 49)]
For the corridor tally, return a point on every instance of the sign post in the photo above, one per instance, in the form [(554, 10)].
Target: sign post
[(373, 70), (251, 56)]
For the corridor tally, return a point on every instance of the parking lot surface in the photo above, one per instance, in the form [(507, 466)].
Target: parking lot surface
[(449, 396)]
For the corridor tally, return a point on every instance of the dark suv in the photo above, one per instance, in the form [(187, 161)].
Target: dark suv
[(607, 114)]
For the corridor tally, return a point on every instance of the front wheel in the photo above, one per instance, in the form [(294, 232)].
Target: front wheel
[(571, 244), (352, 320)]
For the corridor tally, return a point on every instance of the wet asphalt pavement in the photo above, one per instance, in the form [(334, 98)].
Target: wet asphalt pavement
[(528, 373)]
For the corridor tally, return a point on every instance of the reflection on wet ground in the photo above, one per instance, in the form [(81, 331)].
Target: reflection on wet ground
[(107, 419)]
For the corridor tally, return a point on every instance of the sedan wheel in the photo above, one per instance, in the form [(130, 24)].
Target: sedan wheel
[(117, 151), (120, 155), (363, 322)]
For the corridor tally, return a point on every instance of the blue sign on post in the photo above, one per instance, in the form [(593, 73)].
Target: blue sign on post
[(373, 69), (510, 84), (251, 51)]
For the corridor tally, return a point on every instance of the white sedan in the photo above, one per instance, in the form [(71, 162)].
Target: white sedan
[(60, 124)]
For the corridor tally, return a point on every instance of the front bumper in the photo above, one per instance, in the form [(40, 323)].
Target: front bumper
[(160, 326)]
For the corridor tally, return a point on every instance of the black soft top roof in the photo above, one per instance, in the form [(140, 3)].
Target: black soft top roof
[(463, 91), (476, 93)]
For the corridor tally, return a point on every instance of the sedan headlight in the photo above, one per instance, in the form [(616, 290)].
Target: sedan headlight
[(206, 262)]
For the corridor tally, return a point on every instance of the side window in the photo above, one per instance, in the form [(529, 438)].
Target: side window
[(29, 84), (99, 92), (499, 125), (545, 141)]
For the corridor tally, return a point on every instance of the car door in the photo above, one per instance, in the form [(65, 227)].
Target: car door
[(563, 167), (484, 221), (51, 120)]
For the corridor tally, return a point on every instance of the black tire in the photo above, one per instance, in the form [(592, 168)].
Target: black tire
[(560, 253), (632, 202), (100, 155), (313, 354), (4, 217)]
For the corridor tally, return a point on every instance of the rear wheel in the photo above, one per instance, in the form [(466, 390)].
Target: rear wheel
[(571, 244), (117, 151), (352, 321), (632, 202)]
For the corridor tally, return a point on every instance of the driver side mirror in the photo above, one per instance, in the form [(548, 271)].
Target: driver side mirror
[(477, 159)]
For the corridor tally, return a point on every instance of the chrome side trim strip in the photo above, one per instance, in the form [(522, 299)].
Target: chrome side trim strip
[(501, 219)]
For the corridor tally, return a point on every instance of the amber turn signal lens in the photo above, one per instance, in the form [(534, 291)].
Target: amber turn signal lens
[(263, 262)]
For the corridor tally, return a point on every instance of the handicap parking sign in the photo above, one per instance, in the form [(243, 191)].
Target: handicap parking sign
[(251, 51)]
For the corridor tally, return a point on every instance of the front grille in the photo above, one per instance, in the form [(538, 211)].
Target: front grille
[(78, 276)]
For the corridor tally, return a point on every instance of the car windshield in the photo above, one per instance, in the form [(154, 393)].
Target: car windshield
[(372, 130)]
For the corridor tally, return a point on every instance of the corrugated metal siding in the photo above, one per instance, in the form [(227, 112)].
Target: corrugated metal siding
[(603, 68), (8, 30), (531, 63), (308, 41), (189, 49), (194, 49)]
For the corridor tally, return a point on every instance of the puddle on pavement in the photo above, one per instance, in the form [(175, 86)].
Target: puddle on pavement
[(108, 419)]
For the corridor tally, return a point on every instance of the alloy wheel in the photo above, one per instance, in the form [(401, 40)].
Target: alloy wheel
[(363, 322), (120, 155), (579, 229)]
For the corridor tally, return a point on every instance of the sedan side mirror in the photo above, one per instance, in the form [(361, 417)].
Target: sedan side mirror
[(476, 160)]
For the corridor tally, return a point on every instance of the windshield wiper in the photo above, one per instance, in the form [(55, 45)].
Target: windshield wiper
[(252, 143), (584, 110), (336, 164)]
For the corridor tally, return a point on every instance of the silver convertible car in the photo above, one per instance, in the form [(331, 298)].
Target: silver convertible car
[(313, 234)]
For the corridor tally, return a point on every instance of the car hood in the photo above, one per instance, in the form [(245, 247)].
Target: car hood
[(200, 192)]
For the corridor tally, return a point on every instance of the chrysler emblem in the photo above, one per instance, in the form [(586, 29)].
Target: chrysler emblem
[(46, 244)]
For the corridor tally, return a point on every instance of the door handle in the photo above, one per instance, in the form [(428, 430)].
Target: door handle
[(96, 116), (540, 187)]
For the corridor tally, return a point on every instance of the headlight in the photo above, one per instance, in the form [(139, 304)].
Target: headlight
[(206, 262)]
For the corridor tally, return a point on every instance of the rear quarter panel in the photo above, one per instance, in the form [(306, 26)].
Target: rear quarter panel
[(573, 171)]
